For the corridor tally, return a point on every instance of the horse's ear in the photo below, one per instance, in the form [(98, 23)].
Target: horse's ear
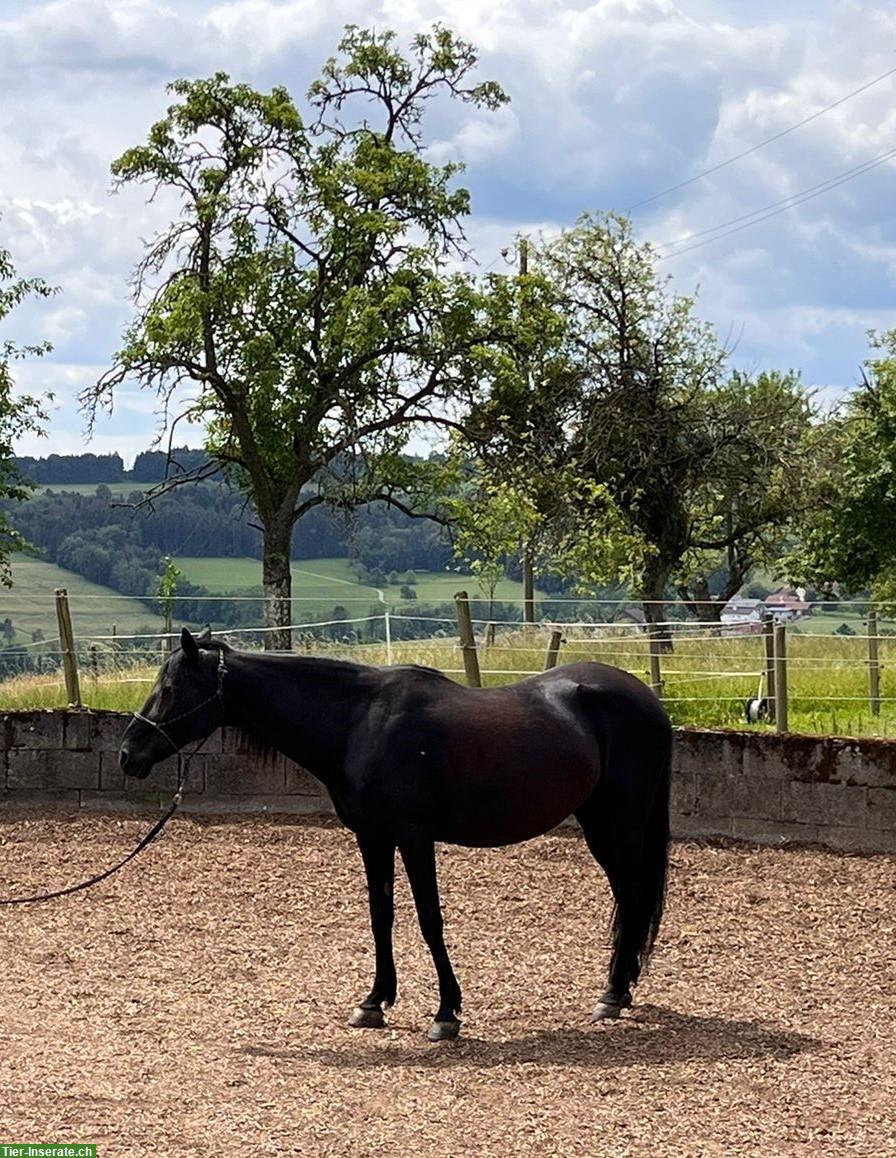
[(189, 645), (205, 636)]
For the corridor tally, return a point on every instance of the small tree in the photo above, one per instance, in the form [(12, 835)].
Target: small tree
[(491, 522), (166, 592), (513, 442), (19, 414), (303, 290)]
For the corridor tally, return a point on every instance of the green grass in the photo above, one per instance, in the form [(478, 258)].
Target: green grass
[(706, 681), (30, 603), (827, 622)]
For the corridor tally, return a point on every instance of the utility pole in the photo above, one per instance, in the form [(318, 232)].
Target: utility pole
[(526, 560)]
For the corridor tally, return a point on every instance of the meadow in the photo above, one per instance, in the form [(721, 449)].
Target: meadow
[(96, 611), (707, 679), (117, 488), (320, 584)]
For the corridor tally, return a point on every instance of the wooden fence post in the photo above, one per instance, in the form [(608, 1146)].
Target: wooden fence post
[(387, 622), (768, 631), (873, 663), (528, 586), (467, 639), (655, 644), (781, 677), (550, 660), (67, 646)]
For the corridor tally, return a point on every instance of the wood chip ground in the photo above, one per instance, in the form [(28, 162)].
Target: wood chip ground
[(195, 1004)]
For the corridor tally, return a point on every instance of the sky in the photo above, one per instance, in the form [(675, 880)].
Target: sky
[(612, 103)]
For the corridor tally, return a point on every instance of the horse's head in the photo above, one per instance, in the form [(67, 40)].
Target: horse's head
[(186, 703)]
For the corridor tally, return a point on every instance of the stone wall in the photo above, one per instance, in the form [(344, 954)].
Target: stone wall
[(70, 759), (767, 788), (753, 785)]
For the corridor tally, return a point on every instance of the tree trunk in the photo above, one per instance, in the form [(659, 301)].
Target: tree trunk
[(699, 603), (277, 581), (653, 594)]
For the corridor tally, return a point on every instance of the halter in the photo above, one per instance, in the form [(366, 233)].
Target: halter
[(218, 695)]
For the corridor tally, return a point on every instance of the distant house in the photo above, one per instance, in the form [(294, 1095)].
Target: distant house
[(787, 604), (742, 616)]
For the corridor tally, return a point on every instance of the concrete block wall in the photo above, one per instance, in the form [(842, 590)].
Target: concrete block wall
[(70, 759), (759, 786), (752, 785)]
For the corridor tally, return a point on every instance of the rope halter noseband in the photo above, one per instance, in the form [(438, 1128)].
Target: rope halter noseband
[(218, 695)]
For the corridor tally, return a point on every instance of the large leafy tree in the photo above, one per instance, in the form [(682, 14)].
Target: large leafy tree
[(302, 290), (847, 532), (610, 408), (646, 425), (19, 413)]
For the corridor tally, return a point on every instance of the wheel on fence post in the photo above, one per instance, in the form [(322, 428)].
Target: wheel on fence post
[(756, 710)]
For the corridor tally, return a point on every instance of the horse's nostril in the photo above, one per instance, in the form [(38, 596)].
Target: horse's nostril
[(123, 755)]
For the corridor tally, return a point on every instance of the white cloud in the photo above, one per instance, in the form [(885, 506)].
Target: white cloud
[(612, 101)]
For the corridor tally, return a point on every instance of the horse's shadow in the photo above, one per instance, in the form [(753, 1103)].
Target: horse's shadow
[(658, 1037)]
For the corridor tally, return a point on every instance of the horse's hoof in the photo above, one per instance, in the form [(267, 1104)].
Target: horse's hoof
[(367, 1018), (605, 1012), (443, 1030)]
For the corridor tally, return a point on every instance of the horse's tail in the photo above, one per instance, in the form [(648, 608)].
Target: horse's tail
[(655, 861), (637, 923)]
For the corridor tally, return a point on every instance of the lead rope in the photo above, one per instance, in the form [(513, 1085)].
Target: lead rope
[(150, 836), (182, 772)]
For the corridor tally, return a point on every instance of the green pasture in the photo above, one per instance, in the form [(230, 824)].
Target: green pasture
[(117, 488), (706, 681), (827, 622), (31, 605), (318, 585)]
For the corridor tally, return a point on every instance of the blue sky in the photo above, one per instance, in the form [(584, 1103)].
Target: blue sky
[(612, 102)]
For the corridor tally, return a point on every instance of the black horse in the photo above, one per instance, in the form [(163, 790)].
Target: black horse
[(410, 758)]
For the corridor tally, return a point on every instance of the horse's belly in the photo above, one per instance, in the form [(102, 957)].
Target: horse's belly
[(506, 809)]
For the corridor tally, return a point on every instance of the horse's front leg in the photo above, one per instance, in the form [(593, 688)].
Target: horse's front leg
[(379, 864), (419, 856)]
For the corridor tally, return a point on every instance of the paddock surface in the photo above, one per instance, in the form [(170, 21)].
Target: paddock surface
[(196, 1003)]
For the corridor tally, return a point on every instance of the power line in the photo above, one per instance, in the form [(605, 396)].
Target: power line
[(777, 207), (494, 261), (762, 144)]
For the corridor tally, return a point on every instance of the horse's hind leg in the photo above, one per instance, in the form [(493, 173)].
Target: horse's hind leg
[(626, 847), (419, 856), (379, 864)]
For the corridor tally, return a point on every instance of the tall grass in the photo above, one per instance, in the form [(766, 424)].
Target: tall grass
[(706, 681)]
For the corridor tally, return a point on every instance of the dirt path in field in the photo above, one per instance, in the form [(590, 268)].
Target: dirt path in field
[(195, 1004)]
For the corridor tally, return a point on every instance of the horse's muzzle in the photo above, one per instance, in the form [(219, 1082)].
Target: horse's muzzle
[(131, 764)]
